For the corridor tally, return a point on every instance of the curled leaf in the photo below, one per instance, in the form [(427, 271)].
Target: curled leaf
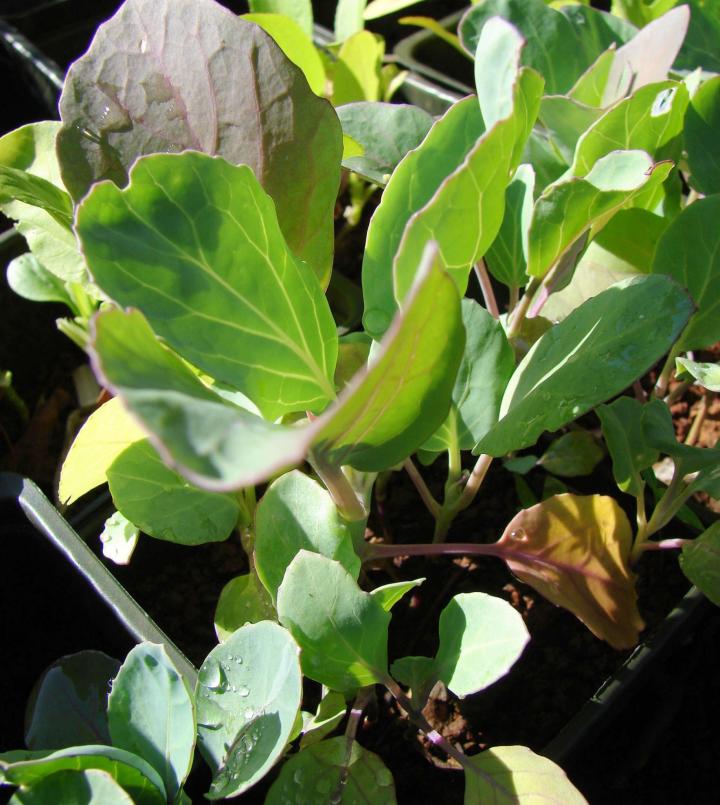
[(574, 550)]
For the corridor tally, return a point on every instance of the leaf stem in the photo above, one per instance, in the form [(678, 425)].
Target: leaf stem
[(522, 308), (666, 545), (427, 497), (661, 385), (415, 715), (344, 496), (697, 424), (459, 497), (378, 551), (488, 293)]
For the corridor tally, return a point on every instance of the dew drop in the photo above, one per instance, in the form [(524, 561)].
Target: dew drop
[(249, 713), (299, 776), (242, 691), (212, 677), (519, 535)]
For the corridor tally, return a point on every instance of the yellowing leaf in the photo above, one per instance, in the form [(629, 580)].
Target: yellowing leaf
[(107, 432), (574, 551)]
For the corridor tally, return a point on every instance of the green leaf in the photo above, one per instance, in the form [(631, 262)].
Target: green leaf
[(500, 45), (107, 432), (31, 150), (631, 236), (89, 787), (485, 370), (149, 83), (357, 72), (68, 704), (515, 774), (702, 121), (507, 256), (572, 454), (379, 8), (163, 504), (706, 374), (544, 160), (248, 697), (466, 212), (575, 550), (30, 279), (551, 42), (242, 600), (389, 594), (386, 132), (330, 713), (700, 562), (418, 673), (299, 11), (659, 432), (700, 47), (194, 243), (689, 252), (353, 354), (481, 637), (131, 772), (390, 409), (296, 43), (565, 120), (646, 121), (119, 538), (569, 207), (328, 773), (593, 354), (411, 186), (211, 441), (296, 513), (589, 89), (341, 630), (348, 18), (622, 428), (26, 188), (151, 713)]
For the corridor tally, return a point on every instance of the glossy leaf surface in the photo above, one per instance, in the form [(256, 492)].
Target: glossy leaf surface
[(689, 251), (593, 354), (248, 697), (318, 770), (163, 504), (151, 713), (411, 186), (242, 600), (341, 630), (193, 242), (515, 774), (481, 637), (133, 773), (107, 432), (386, 132), (209, 440), (170, 75), (574, 550), (68, 704), (296, 513)]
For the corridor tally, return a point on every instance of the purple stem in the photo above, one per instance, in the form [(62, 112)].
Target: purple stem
[(665, 545)]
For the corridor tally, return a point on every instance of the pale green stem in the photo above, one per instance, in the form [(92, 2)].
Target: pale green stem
[(663, 380), (427, 497), (513, 297), (458, 498), (522, 308), (697, 424), (344, 496)]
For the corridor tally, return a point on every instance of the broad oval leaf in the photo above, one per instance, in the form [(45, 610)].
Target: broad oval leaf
[(341, 630), (242, 600), (133, 773), (572, 454), (163, 504), (593, 354), (328, 773), (411, 186), (27, 276), (89, 787), (689, 251), (386, 132), (194, 243), (507, 775), (481, 638), (700, 562), (210, 440), (151, 713), (170, 75), (575, 551), (68, 705), (388, 410), (107, 432), (248, 697), (297, 513)]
